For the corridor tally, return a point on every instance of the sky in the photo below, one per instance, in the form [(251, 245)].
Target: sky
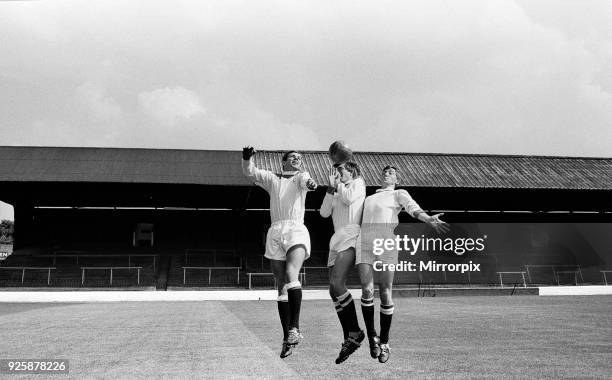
[(492, 76)]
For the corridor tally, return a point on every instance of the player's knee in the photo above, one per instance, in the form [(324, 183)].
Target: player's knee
[(336, 287), (385, 295), (367, 291), (282, 289), (292, 274)]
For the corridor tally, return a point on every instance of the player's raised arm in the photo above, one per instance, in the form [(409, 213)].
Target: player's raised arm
[(327, 205), (261, 177), (248, 167)]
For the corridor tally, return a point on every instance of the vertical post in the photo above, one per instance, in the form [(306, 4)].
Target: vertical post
[(48, 276), (209, 275), (111, 278), (249, 274), (528, 274), (524, 283), (184, 269), (500, 280), (138, 281), (22, 275), (238, 278), (82, 276)]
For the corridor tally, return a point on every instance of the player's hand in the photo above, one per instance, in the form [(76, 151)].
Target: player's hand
[(437, 224), (311, 184), (247, 152), (333, 177)]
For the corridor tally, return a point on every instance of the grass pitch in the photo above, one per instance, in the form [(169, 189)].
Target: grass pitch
[(457, 337)]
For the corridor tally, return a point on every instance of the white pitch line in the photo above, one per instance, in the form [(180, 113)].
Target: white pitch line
[(592, 290), (188, 295), (228, 295)]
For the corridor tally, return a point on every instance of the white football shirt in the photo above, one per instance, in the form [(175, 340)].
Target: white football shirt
[(384, 206), (345, 205), (287, 195)]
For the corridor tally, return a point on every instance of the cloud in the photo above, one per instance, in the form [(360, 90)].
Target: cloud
[(97, 103), (476, 76), (169, 106)]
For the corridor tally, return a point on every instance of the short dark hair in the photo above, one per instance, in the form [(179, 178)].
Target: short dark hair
[(353, 168), (389, 167), (286, 154)]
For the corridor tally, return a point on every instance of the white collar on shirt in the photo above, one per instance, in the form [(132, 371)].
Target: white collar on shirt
[(381, 190), (290, 172)]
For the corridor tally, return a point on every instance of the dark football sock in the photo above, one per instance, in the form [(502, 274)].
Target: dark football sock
[(295, 303), (386, 315), (339, 311), (348, 316), (367, 309), (283, 313)]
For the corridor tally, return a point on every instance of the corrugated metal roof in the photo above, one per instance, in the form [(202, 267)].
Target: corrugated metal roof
[(120, 165), (214, 167)]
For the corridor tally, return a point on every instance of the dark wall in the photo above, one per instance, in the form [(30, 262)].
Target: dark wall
[(238, 229)]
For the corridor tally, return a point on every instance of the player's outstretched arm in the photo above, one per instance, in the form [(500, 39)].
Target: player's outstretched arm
[(435, 222), (306, 182), (311, 184), (413, 208)]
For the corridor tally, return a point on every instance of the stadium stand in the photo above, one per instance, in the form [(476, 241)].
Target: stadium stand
[(206, 268), (66, 270), (513, 274)]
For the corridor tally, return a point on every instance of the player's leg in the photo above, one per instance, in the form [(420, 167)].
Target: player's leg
[(278, 270), (366, 275), (345, 306), (386, 312), (335, 301), (295, 258)]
